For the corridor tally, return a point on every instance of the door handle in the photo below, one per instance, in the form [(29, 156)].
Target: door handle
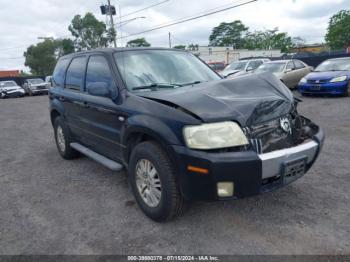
[(82, 104), (61, 98)]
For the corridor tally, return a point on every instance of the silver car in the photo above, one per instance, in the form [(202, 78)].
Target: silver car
[(35, 86), (242, 67), (290, 72)]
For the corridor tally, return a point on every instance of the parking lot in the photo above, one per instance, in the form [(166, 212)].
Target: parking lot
[(52, 206)]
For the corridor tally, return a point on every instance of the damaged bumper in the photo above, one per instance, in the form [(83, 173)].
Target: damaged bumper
[(249, 172)]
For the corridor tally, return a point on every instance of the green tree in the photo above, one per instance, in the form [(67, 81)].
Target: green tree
[(90, 33), (183, 47), (42, 57), (228, 34), (268, 39), (138, 42), (338, 32)]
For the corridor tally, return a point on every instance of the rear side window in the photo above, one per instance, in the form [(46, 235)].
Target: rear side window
[(75, 74), (298, 64), (58, 74), (290, 65), (98, 71)]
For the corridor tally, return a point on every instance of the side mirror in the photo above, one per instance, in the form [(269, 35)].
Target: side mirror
[(98, 89), (249, 69)]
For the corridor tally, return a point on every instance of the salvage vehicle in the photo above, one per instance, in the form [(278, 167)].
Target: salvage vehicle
[(290, 72), (242, 67), (180, 130), (332, 77), (35, 86), (10, 89)]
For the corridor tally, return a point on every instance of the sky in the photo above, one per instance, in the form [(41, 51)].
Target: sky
[(23, 21)]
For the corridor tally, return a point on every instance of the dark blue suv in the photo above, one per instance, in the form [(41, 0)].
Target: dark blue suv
[(179, 129)]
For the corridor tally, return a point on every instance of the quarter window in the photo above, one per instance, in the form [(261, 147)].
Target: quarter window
[(75, 74), (290, 65), (98, 72), (58, 74)]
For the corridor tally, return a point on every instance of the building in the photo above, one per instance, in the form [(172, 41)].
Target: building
[(229, 54), (10, 73)]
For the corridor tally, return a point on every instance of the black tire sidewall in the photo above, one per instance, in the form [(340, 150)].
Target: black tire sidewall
[(69, 152), (151, 152)]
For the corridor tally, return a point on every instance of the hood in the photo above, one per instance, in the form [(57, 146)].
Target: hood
[(248, 100), (36, 85), (325, 75)]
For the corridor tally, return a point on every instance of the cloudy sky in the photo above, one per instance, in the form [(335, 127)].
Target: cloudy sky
[(23, 21)]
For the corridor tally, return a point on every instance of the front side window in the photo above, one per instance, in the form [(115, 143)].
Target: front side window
[(271, 67), (239, 65), (75, 74), (98, 72), (166, 68), (290, 65)]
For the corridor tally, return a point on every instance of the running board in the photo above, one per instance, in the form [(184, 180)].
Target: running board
[(112, 165)]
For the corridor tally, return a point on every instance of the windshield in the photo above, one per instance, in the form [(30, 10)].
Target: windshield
[(334, 65), (35, 81), (143, 69), (271, 67), (240, 65), (8, 84)]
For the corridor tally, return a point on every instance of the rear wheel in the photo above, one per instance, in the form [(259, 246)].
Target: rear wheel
[(63, 139), (153, 181)]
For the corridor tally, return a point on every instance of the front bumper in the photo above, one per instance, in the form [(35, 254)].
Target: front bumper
[(40, 91), (15, 93), (250, 172), (324, 88)]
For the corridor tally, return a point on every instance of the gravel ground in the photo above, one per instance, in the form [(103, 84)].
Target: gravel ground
[(52, 206)]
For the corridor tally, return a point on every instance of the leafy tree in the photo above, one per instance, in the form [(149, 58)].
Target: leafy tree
[(42, 58), (338, 32), (298, 41), (183, 47), (90, 33), (228, 34), (138, 42), (268, 39), (193, 47)]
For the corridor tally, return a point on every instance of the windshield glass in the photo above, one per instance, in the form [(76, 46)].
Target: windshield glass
[(240, 65), (35, 81), (9, 84), (334, 65), (271, 67), (161, 69)]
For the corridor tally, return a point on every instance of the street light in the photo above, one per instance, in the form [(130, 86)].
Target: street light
[(120, 24)]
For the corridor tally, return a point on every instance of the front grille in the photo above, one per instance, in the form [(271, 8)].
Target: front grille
[(322, 81), (270, 136)]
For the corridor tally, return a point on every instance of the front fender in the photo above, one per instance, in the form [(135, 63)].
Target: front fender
[(151, 126)]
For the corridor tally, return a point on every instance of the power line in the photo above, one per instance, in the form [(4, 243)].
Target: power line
[(189, 19), (145, 8)]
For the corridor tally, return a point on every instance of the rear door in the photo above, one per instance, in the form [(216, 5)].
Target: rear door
[(302, 70), (71, 95), (100, 116), (290, 75)]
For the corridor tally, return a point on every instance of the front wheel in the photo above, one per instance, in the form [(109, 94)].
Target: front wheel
[(153, 181)]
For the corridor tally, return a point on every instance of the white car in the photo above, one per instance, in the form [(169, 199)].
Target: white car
[(242, 67), (10, 89)]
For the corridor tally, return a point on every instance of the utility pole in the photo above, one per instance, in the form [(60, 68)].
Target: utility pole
[(169, 40), (112, 23)]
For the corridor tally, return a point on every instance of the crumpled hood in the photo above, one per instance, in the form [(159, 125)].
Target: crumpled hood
[(248, 100), (10, 89)]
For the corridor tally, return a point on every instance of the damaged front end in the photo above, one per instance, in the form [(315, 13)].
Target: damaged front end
[(284, 132)]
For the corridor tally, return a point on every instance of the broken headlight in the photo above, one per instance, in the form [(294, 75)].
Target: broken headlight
[(214, 136)]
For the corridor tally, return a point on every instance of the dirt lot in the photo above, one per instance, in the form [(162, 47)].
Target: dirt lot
[(52, 206)]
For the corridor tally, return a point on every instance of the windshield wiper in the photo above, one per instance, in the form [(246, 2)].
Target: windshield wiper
[(191, 83), (155, 86)]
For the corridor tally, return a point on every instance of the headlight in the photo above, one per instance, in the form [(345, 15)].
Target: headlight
[(213, 136), (338, 79), (303, 80)]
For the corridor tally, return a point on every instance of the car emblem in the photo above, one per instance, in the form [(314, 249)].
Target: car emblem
[(317, 81), (285, 125)]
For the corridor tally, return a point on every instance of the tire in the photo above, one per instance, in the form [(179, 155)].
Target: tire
[(167, 204), (63, 139)]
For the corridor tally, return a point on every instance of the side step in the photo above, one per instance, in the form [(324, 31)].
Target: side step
[(112, 165)]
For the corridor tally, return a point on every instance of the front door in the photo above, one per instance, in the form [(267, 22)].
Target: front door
[(100, 116)]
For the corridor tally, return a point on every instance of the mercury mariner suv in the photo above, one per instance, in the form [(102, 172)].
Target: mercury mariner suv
[(181, 131)]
